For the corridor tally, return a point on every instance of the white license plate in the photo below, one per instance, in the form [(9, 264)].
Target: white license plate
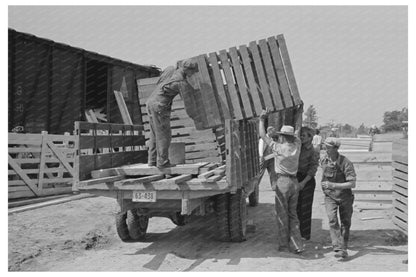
[(144, 196)]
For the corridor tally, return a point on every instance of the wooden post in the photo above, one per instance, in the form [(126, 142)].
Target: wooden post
[(42, 165)]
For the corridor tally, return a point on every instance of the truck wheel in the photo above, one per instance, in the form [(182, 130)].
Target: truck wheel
[(253, 198), (221, 214), (178, 219), (238, 216), (137, 225), (121, 226)]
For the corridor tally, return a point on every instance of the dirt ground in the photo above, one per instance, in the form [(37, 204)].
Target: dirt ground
[(81, 236)]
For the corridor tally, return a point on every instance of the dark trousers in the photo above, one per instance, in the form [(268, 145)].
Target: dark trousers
[(285, 204), (304, 207), (160, 136), (339, 234)]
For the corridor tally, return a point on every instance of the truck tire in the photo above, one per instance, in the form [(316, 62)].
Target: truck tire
[(121, 226), (253, 198), (178, 219), (238, 216), (221, 214), (137, 225)]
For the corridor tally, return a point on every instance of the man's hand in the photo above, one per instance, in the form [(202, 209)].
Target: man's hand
[(264, 113), (301, 185), (328, 185)]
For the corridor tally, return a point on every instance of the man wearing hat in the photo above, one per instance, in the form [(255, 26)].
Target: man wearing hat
[(159, 105), (338, 178), (286, 157)]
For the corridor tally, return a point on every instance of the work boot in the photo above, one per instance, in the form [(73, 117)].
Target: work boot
[(165, 165), (341, 254)]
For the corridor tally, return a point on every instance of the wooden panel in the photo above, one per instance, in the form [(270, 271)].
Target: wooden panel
[(377, 196), (367, 157), (397, 166), (280, 72), (219, 85), (260, 74), (271, 76), (242, 88), (289, 70), (251, 82), (373, 186), (238, 112), (373, 174), (400, 175), (207, 93)]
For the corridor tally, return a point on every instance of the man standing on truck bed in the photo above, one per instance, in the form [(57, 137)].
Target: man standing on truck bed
[(286, 154), (172, 81)]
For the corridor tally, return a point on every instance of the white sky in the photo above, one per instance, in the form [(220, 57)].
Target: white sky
[(350, 62)]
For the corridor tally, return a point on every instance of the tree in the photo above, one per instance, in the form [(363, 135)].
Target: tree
[(393, 120), (311, 118), (362, 129)]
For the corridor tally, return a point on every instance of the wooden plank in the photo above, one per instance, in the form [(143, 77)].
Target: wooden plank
[(367, 157), (400, 205), (377, 196), (242, 87), (208, 94), (22, 175), (123, 183), (399, 197), (251, 82), (245, 168), (49, 203), (237, 155), (380, 205), (400, 182), (110, 179), (401, 190), (163, 186), (61, 157), (373, 186), (280, 72), (289, 70), (400, 215), (400, 175), (237, 110), (125, 115), (144, 169), (402, 225), (260, 74), (219, 86), (374, 175), (397, 166), (214, 178), (271, 77)]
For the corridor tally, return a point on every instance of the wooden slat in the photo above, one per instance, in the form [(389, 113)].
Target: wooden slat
[(380, 205), (289, 70), (373, 186), (377, 196), (400, 175), (238, 112), (395, 165), (110, 179), (207, 93), (61, 158), (242, 88), (125, 115), (400, 182), (260, 73), (400, 214), (219, 85), (22, 175), (402, 225), (401, 190), (400, 206), (271, 77), (399, 197), (123, 183), (280, 72), (251, 82)]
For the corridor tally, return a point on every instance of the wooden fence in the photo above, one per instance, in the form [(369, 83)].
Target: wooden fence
[(106, 145), (400, 187), (40, 164)]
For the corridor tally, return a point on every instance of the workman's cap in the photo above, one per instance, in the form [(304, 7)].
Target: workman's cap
[(190, 64), (287, 130), (332, 142), (270, 128)]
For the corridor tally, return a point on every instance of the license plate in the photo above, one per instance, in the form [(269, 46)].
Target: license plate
[(144, 196)]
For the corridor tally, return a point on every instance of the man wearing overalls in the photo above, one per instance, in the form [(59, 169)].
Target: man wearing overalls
[(159, 105), (338, 178)]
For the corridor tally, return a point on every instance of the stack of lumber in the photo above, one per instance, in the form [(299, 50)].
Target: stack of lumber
[(400, 184), (374, 179)]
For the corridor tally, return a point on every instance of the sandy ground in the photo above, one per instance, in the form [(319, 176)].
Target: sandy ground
[(81, 236)]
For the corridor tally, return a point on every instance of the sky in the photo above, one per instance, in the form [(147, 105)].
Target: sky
[(350, 62)]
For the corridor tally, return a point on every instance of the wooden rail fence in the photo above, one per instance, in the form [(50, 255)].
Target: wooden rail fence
[(40, 164)]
